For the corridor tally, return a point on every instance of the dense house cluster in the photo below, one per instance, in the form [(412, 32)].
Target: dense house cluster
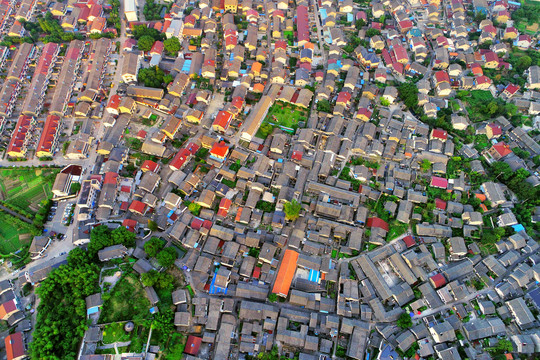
[(343, 179)]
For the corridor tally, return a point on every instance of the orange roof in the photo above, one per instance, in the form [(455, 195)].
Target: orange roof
[(222, 120), (238, 214), (481, 197), (258, 88), (285, 273), (7, 308), (220, 149), (256, 67), (14, 346)]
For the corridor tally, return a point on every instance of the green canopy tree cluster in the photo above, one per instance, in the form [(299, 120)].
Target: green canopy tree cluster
[(101, 237), (154, 77), (61, 319)]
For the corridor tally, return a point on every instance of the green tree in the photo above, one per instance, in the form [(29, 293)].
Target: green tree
[(272, 297), (145, 43), (404, 321), (61, 314), (408, 92), (172, 46), (524, 62), (324, 106), (385, 102), (504, 346), (152, 225), (166, 257), (143, 30), (360, 23), (153, 246), (371, 32), (150, 278), (194, 208), (164, 322), (266, 129), (425, 165), (101, 237), (292, 209)]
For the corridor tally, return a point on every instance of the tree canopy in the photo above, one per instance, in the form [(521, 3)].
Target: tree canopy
[(166, 257), (142, 30), (154, 77), (160, 280), (292, 209), (404, 321), (101, 237), (153, 246), (61, 319), (408, 92), (172, 46), (145, 43)]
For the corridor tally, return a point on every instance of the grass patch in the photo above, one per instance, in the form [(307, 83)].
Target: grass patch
[(285, 116), (396, 229), (115, 333), (127, 301), (190, 290)]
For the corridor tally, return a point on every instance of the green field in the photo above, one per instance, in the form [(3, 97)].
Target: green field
[(13, 234), (285, 116), (26, 188)]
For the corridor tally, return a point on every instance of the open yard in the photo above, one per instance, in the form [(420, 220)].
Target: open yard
[(115, 333), (127, 302), (14, 234), (26, 188), (285, 116)]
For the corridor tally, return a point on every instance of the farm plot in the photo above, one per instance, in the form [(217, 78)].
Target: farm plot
[(26, 188)]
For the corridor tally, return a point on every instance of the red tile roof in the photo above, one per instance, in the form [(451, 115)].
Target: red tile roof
[(193, 344), (302, 23), (50, 130), (377, 223), (130, 224), (409, 241), (502, 148), (110, 178), (149, 165), (114, 101), (495, 129), (440, 204), (438, 280), (180, 159), (223, 120), (157, 48), (442, 76), (439, 134), (219, 150), (137, 206), (439, 182), (511, 89)]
